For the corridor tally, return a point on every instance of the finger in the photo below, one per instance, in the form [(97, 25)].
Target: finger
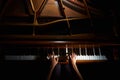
[(70, 56), (57, 59), (53, 53), (53, 56), (73, 54)]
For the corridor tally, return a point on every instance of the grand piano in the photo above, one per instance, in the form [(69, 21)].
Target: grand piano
[(30, 30)]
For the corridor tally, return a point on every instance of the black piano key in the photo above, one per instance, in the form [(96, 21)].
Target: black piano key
[(49, 50), (55, 51), (62, 51), (90, 51), (83, 51), (76, 51), (97, 51), (69, 50)]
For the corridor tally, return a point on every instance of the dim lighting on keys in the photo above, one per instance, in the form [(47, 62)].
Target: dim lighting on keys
[(91, 57), (55, 56)]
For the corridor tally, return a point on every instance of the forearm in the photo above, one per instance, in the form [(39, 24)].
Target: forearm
[(77, 71), (50, 72)]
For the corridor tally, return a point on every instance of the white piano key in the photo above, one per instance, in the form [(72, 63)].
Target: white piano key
[(102, 57), (79, 57), (83, 57), (86, 57), (97, 57), (91, 57), (55, 56), (66, 49), (20, 57)]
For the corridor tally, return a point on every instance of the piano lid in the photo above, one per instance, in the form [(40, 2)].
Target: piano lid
[(61, 18)]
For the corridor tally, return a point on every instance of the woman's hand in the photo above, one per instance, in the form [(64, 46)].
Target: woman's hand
[(73, 58), (54, 61), (73, 62)]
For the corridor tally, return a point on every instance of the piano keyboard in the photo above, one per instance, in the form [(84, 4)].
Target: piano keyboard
[(83, 53), (86, 56), (33, 57)]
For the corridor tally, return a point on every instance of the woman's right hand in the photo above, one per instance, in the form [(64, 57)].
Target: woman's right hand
[(73, 58)]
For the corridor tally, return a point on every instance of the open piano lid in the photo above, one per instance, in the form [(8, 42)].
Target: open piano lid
[(55, 18)]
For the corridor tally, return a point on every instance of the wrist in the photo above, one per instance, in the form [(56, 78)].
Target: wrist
[(73, 63)]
